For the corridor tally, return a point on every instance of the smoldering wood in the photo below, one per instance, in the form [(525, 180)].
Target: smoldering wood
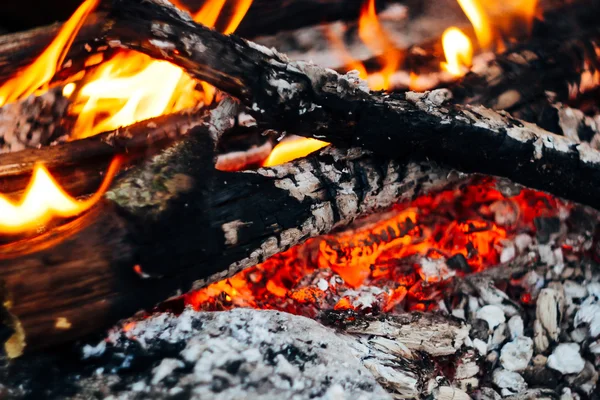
[(118, 258), (308, 100)]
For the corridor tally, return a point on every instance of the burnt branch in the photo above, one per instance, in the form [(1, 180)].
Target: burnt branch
[(302, 98)]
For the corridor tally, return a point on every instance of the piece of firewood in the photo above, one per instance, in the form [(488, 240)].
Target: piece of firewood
[(78, 165), (305, 99), (120, 256)]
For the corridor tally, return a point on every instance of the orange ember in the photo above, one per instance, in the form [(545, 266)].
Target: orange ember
[(400, 262), (44, 200)]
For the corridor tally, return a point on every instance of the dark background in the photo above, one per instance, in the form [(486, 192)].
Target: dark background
[(16, 15)]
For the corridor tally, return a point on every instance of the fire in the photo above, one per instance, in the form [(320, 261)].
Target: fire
[(400, 262), (374, 36), (458, 51), (292, 149), (131, 87), (476, 13), (490, 16), (44, 200), (40, 72)]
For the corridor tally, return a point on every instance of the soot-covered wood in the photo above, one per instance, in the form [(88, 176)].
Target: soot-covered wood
[(303, 98), (120, 257)]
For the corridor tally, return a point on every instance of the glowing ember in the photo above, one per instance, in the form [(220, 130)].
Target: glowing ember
[(44, 200), (132, 87), (41, 71), (458, 51), (292, 149), (400, 262), (374, 36)]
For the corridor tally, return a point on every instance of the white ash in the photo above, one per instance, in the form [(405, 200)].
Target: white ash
[(516, 354), (508, 382), (243, 353), (566, 359), (491, 314), (515, 326)]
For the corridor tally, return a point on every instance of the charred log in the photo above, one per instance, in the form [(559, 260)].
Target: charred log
[(308, 100), (119, 258), (78, 166)]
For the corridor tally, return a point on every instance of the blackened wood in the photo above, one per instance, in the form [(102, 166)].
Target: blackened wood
[(176, 223), (78, 166), (308, 100)]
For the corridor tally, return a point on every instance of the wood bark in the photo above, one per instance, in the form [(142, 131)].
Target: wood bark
[(119, 257), (305, 99), (33, 122), (78, 166)]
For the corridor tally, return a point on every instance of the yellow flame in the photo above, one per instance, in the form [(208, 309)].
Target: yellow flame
[(480, 21), (132, 87), (377, 40), (292, 149), (41, 71), (458, 51), (44, 200)]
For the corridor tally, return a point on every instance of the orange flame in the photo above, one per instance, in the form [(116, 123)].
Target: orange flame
[(374, 36), (489, 16), (474, 10), (41, 71), (44, 200), (458, 51), (132, 87), (292, 149)]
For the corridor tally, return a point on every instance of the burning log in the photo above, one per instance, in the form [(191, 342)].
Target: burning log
[(113, 252), (78, 165), (302, 98)]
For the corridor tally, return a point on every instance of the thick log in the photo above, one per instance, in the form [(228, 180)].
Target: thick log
[(119, 257), (308, 100)]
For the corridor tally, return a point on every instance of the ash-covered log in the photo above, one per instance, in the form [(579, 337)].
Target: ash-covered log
[(302, 98)]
